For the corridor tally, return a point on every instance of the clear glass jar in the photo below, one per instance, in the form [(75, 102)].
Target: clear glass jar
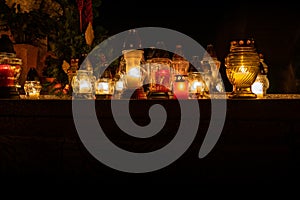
[(160, 75), (104, 87), (83, 84), (135, 75), (197, 86), (242, 68), (261, 85), (32, 89)]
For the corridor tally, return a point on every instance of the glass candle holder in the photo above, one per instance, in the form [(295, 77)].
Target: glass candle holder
[(134, 76), (160, 75), (261, 85), (104, 88), (32, 89), (197, 86), (181, 87), (242, 68), (83, 85)]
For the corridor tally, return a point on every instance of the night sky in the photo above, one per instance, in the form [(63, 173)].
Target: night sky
[(274, 26)]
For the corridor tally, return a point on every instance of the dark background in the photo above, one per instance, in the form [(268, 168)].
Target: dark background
[(274, 26)]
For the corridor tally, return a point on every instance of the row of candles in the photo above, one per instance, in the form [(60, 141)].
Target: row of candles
[(166, 78)]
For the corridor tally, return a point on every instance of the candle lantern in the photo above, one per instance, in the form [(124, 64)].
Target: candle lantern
[(32, 89), (119, 85), (181, 87), (159, 70), (210, 66), (133, 68), (104, 88), (197, 86), (134, 76), (260, 86), (242, 67), (83, 85), (10, 71)]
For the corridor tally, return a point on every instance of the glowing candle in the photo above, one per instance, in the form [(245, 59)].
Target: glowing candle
[(119, 86), (32, 89), (240, 75), (257, 88), (133, 78), (196, 87), (180, 87), (84, 86), (133, 72), (34, 94), (6, 76), (102, 88)]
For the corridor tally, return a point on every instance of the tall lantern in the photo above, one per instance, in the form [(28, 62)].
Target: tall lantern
[(242, 68), (135, 74)]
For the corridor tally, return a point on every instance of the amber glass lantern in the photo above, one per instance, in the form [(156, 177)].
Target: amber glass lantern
[(104, 88), (32, 89), (242, 68)]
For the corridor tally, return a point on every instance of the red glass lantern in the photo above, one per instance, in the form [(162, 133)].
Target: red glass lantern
[(181, 87)]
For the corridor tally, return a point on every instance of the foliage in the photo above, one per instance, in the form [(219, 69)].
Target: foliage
[(62, 31), (27, 27), (53, 69), (67, 41)]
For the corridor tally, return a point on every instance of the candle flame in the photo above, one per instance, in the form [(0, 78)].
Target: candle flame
[(243, 69), (134, 72)]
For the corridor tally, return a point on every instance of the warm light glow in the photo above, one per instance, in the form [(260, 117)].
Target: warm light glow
[(196, 87), (32, 89), (34, 95), (84, 86), (119, 85), (243, 69), (241, 74), (180, 90), (134, 72), (181, 86), (257, 88), (133, 78), (102, 88), (220, 87)]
